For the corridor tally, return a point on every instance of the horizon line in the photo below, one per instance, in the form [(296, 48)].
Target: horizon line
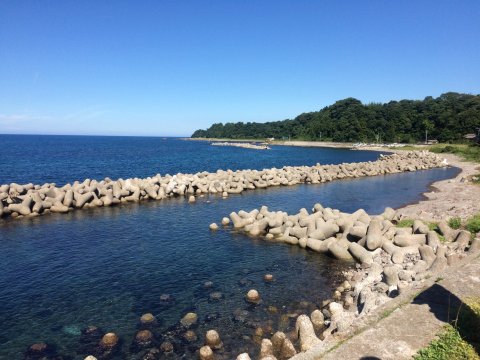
[(97, 135)]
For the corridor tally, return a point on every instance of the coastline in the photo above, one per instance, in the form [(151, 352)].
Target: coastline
[(455, 197), (327, 144)]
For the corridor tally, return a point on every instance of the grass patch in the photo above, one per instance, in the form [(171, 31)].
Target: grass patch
[(461, 340), (433, 226), (455, 223), (469, 152), (473, 224), (405, 223), (409, 148), (448, 346)]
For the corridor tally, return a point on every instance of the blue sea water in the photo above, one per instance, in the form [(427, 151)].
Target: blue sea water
[(62, 159), (108, 266)]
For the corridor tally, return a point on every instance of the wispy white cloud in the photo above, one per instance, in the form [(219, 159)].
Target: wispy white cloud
[(88, 113), (30, 121), (21, 117)]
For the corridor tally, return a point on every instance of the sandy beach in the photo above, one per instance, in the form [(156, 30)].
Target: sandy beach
[(449, 198)]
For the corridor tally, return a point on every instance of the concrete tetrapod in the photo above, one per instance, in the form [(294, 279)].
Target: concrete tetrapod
[(32, 200)]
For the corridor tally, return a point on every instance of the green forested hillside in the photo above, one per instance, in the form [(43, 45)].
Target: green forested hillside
[(447, 118)]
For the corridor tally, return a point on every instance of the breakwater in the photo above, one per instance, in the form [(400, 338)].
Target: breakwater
[(391, 259), (242, 145), (33, 200)]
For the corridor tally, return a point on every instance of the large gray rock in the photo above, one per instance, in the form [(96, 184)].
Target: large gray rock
[(359, 253), (446, 231), (427, 254), (306, 333), (391, 275), (339, 252), (475, 246), (419, 227), (82, 199), (432, 240), (374, 238), (410, 240), (463, 239)]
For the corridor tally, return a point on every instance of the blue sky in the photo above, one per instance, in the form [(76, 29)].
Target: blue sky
[(170, 67)]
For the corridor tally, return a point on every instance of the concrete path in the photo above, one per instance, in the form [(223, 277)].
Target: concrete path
[(413, 326)]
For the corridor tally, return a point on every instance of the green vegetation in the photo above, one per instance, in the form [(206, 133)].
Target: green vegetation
[(461, 339), (473, 224), (446, 118), (405, 223), (433, 226), (468, 152), (455, 223), (448, 346)]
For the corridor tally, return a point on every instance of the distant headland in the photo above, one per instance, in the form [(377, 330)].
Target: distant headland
[(451, 117)]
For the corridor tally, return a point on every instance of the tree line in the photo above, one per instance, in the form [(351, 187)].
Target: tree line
[(446, 118)]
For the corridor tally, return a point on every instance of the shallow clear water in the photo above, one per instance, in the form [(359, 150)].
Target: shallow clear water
[(108, 266)]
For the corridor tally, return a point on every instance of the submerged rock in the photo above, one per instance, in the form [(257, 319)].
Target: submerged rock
[(190, 336), (189, 320), (268, 277), (253, 296), (148, 319), (39, 351), (216, 296), (206, 353), (109, 340), (212, 339), (73, 330), (144, 338)]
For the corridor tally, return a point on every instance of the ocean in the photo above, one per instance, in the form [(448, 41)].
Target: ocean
[(106, 267)]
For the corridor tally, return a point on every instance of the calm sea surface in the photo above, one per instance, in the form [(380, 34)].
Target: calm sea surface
[(108, 266)]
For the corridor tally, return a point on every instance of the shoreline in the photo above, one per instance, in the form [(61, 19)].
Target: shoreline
[(302, 143), (326, 144), (455, 197), (434, 205)]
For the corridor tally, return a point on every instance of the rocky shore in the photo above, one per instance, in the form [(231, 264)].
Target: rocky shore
[(18, 201), (390, 260)]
